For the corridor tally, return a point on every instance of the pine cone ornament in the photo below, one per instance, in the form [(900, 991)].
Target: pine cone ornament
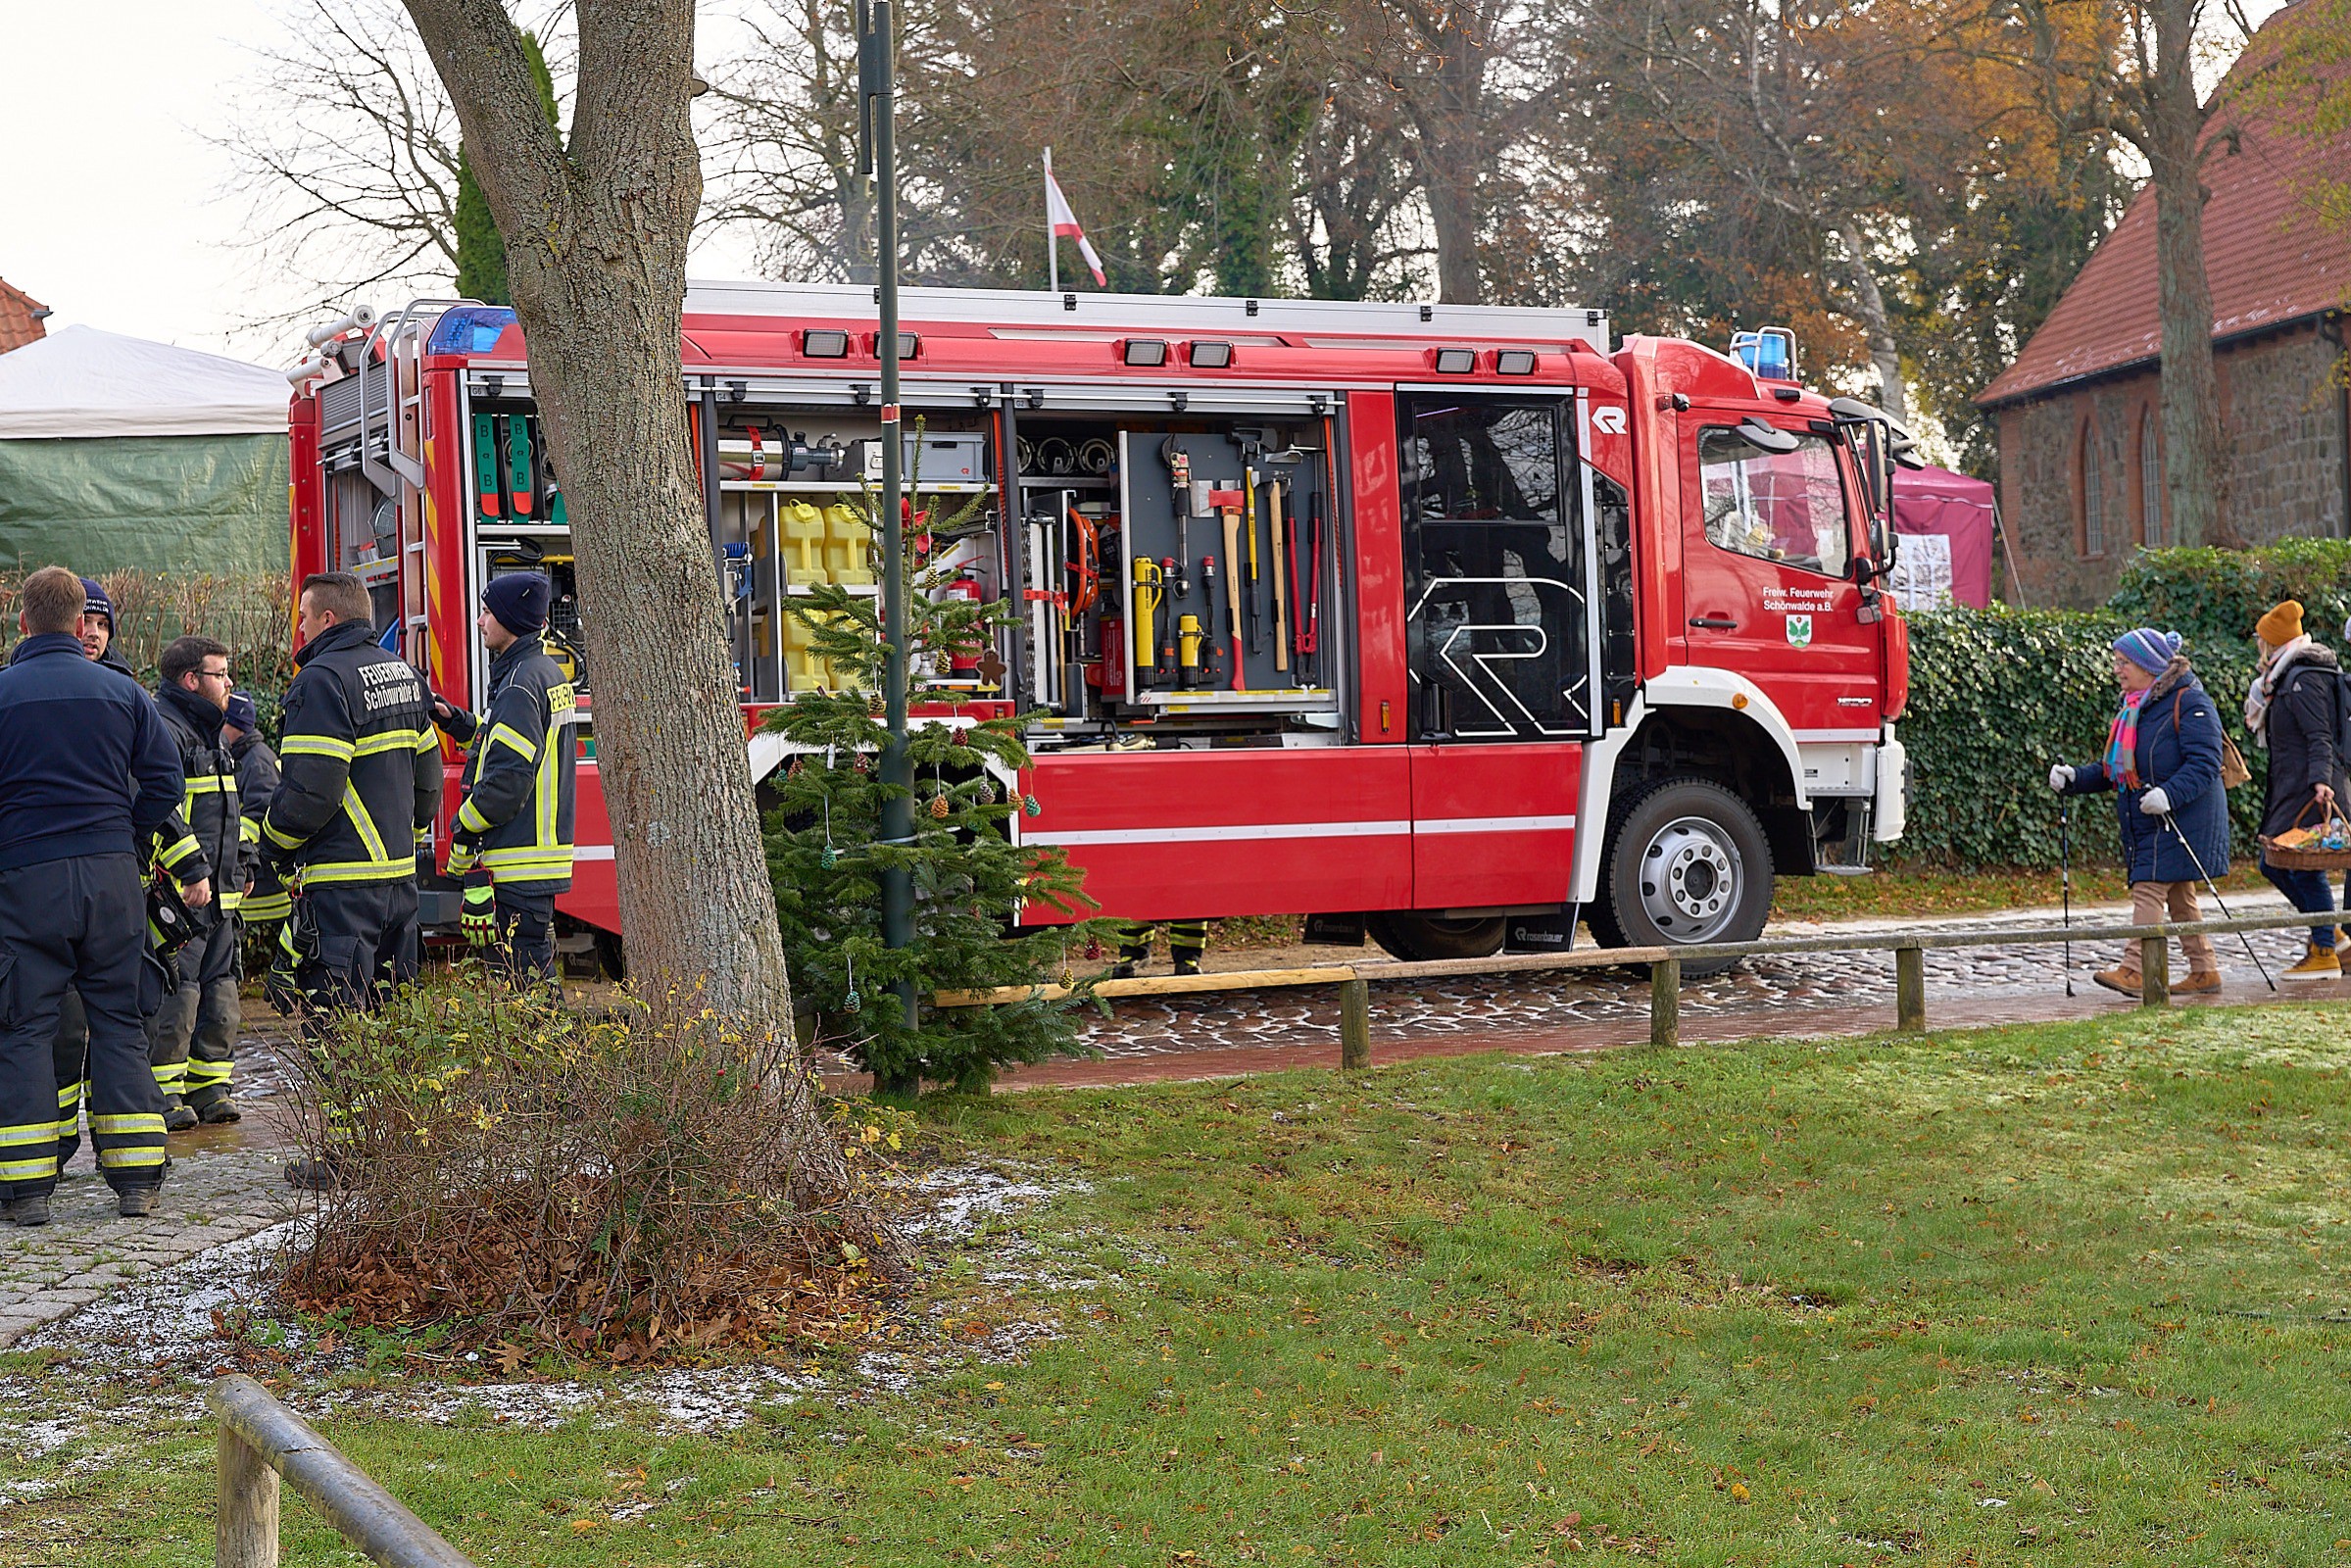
[(939, 807), (829, 857), (986, 793), (853, 1003), (1030, 806)]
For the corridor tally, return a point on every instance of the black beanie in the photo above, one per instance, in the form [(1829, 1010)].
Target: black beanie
[(518, 600)]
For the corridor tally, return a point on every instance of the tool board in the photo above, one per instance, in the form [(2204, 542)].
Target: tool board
[(1281, 664)]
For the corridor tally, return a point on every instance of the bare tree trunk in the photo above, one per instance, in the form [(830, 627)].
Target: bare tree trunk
[(1452, 185), (1870, 300), (2193, 457), (596, 238)]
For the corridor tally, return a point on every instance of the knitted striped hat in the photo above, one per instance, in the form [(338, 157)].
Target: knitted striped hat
[(2150, 649)]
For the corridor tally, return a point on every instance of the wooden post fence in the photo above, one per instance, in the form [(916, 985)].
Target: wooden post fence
[(1664, 964), (261, 1441)]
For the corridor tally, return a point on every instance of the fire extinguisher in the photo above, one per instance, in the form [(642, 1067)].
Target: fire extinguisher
[(964, 658)]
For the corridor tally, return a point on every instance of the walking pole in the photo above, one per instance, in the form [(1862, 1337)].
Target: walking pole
[(2064, 864), (2246, 937)]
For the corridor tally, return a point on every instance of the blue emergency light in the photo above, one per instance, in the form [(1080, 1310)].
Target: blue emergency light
[(1770, 354), (470, 330)]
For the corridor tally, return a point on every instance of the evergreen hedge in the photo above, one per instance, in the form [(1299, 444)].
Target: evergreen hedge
[(1998, 694)]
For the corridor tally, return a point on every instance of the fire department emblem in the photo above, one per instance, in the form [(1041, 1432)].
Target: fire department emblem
[(1799, 632)]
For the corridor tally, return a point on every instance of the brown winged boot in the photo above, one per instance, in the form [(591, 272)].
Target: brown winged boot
[(2207, 980), (2118, 978)]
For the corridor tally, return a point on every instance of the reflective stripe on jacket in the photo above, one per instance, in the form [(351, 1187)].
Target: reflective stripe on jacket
[(360, 763), (256, 782), (522, 770), (209, 820)]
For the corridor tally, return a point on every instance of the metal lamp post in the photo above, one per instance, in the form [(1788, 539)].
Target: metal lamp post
[(878, 145)]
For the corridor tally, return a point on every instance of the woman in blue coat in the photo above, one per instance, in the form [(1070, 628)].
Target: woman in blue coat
[(2163, 762)]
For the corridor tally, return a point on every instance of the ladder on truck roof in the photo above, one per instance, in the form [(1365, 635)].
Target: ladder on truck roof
[(1186, 312), (400, 475)]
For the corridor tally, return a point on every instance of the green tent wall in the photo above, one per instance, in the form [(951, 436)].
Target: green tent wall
[(166, 504)]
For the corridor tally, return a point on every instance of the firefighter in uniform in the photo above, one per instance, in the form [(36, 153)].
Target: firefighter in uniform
[(266, 899), (1187, 945), (192, 1038), (512, 840), (86, 775), (361, 780)]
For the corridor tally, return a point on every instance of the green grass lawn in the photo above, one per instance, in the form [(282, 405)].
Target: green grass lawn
[(2066, 1295)]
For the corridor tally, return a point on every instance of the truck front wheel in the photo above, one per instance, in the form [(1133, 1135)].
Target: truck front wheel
[(1422, 938), (1687, 864)]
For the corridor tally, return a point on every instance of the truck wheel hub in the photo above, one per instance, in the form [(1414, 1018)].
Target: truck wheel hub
[(1690, 876)]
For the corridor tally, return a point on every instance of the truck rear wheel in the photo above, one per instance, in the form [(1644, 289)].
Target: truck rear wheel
[(1687, 864), (1423, 938)]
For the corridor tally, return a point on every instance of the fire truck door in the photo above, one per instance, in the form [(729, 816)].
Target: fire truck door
[(1767, 582), (1499, 644)]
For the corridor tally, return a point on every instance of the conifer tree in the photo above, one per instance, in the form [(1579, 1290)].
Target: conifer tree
[(971, 881), (480, 253)]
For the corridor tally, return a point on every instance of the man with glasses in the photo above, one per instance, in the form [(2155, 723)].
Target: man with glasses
[(192, 1066)]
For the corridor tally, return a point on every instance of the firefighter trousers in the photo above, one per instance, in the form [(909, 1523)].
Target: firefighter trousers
[(1187, 943), (75, 924), (352, 942), (71, 1055), (192, 1038), (525, 952)]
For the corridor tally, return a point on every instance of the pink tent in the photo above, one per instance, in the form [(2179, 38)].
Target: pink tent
[(1946, 522)]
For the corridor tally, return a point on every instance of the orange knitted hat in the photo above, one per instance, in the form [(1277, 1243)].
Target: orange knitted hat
[(2281, 625)]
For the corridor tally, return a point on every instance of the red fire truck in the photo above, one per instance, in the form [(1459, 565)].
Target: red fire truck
[(1446, 625)]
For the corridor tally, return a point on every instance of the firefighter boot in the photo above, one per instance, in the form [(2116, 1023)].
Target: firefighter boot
[(1187, 943), (1134, 948), (29, 1211)]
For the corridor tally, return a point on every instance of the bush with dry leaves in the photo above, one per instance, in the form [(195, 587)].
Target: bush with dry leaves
[(614, 1184)]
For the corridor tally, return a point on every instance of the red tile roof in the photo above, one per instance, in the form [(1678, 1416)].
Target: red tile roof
[(2268, 256), (20, 318)]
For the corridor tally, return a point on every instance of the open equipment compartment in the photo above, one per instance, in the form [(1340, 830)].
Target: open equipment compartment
[(519, 523), (794, 508), (1149, 618)]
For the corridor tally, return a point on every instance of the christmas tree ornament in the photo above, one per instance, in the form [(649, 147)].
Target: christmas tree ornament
[(1094, 948), (830, 857), (851, 1001), (986, 793), (1030, 806), (939, 807)]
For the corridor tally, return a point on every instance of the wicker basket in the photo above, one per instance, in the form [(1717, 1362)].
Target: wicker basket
[(2305, 859)]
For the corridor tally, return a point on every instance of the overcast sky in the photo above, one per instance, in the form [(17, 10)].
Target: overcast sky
[(112, 205)]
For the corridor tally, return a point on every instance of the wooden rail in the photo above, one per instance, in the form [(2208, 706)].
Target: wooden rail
[(260, 1442), (1664, 964)]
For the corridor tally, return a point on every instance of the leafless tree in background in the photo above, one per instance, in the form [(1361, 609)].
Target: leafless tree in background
[(345, 155), (2137, 79)]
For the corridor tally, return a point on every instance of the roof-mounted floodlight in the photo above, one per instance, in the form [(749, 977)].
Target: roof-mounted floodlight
[(1210, 356), (1455, 361), (1144, 352), (824, 343)]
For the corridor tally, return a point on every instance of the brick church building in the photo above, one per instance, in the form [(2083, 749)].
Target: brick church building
[(2079, 430)]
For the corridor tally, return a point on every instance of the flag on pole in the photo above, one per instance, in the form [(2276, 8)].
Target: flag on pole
[(1065, 223)]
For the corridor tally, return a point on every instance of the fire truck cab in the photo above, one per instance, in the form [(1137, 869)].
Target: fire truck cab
[(1441, 624)]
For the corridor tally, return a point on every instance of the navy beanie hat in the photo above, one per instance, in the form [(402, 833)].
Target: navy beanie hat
[(95, 601), (2150, 649), (518, 600), (240, 713)]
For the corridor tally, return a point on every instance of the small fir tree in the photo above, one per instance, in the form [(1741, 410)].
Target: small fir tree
[(826, 854)]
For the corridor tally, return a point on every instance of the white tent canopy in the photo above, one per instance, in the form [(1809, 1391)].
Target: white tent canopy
[(80, 382)]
